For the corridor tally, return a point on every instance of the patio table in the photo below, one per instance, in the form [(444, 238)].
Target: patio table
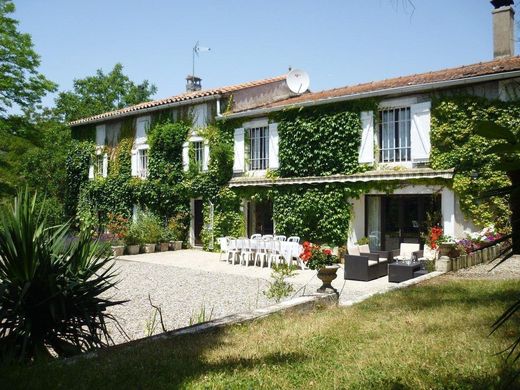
[(401, 271)]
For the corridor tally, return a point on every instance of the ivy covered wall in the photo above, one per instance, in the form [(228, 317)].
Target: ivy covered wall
[(455, 145)]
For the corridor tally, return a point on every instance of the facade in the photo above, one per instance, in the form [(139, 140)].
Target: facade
[(366, 149)]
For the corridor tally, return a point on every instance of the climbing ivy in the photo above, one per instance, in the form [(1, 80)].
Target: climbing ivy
[(77, 168), (455, 145), (315, 213)]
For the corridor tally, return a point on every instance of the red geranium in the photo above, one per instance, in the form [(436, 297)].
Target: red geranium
[(315, 257)]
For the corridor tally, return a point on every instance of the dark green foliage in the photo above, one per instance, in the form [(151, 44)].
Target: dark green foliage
[(50, 287), (455, 145), (101, 93), (165, 162), (320, 214), (20, 82), (77, 166)]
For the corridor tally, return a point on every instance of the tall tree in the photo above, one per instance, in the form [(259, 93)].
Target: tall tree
[(20, 82), (101, 93)]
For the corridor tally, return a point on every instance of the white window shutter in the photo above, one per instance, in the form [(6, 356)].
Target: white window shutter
[(366, 150), (205, 159), (186, 155), (134, 163), (91, 172), (105, 165), (238, 163), (100, 135), (273, 146), (420, 131)]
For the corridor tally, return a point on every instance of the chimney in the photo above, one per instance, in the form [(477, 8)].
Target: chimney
[(193, 83), (503, 28)]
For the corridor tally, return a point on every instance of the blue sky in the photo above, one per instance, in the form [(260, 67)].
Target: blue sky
[(337, 42)]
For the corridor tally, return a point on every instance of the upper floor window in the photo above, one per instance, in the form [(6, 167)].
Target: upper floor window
[(98, 166), (258, 148), (142, 163), (394, 135), (198, 148)]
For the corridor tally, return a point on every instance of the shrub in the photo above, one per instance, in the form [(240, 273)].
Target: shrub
[(50, 286), (133, 236)]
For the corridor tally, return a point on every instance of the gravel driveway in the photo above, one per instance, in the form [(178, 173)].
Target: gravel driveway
[(182, 294)]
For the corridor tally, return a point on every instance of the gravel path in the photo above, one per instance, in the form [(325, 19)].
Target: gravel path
[(182, 294), (509, 269)]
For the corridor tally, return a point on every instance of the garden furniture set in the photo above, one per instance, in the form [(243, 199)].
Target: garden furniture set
[(262, 250)]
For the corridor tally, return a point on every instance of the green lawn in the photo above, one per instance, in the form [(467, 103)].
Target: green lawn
[(435, 335)]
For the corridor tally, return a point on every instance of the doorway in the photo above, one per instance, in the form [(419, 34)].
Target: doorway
[(198, 220), (260, 218), (395, 219)]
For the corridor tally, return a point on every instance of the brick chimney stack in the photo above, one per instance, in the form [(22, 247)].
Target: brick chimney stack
[(503, 28)]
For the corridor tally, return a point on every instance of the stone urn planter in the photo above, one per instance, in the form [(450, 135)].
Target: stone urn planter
[(132, 249), (148, 248), (162, 247), (118, 250), (327, 274)]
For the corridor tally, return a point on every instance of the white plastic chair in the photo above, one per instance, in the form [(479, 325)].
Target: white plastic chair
[(280, 238), (233, 250), (247, 253), (261, 252), (294, 239), (274, 254), (223, 242), (267, 236), (256, 236)]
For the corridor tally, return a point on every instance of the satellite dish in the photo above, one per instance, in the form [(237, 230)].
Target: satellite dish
[(298, 81)]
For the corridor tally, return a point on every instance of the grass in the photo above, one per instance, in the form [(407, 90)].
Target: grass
[(435, 335)]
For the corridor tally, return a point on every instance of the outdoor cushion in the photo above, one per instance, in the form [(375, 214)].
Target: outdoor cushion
[(371, 262), (353, 251), (364, 248), (382, 259)]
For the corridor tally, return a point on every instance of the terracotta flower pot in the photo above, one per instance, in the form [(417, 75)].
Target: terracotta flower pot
[(118, 250), (132, 249), (327, 274)]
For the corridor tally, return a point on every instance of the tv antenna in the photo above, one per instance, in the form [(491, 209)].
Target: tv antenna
[(196, 50)]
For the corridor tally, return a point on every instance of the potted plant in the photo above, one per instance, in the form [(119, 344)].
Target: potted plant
[(118, 229), (322, 260), (133, 239), (151, 231), (177, 229), (163, 244)]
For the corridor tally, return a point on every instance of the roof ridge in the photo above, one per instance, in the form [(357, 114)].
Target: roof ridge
[(185, 96)]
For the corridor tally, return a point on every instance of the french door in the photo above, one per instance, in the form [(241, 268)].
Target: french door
[(395, 219)]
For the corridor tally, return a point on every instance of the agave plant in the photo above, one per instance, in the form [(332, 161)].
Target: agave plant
[(51, 287)]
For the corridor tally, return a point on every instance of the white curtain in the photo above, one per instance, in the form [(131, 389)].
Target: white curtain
[(374, 222)]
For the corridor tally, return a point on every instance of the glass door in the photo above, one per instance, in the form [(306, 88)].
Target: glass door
[(395, 219)]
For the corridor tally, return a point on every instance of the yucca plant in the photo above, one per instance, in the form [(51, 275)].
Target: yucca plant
[(51, 286)]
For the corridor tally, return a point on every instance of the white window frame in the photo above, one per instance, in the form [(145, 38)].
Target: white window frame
[(398, 142), (142, 172), (258, 148), (198, 149)]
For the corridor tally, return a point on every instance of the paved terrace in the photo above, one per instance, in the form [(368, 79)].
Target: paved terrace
[(183, 283)]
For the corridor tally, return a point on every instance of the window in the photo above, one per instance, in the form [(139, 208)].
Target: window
[(258, 148), (142, 163), (198, 148), (394, 135), (98, 165)]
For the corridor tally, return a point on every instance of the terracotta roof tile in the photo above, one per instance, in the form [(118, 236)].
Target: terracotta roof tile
[(177, 98), (483, 68)]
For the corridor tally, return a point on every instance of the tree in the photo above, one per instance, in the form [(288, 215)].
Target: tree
[(20, 82), (101, 93)]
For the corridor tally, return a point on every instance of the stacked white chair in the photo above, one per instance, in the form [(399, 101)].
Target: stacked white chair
[(280, 238), (223, 242), (248, 252), (256, 236)]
